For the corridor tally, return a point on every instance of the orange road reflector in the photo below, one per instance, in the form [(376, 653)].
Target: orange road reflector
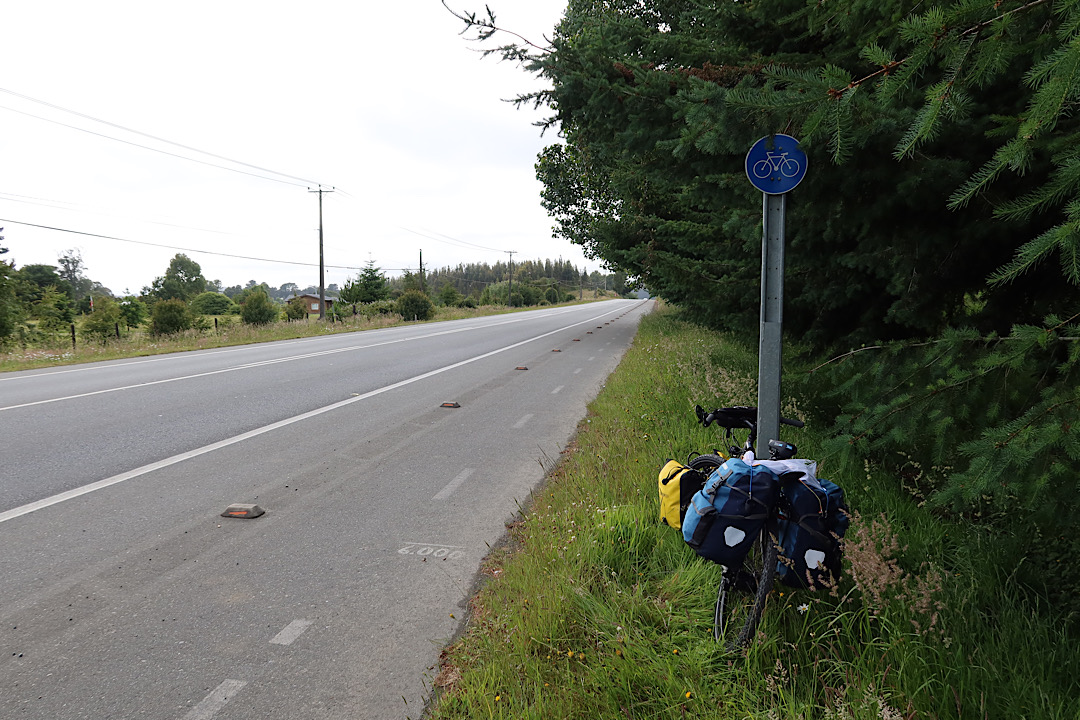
[(243, 511), (450, 405), (577, 339), (556, 350), (588, 332), (521, 367)]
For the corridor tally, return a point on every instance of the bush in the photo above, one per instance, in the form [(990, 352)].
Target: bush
[(102, 323), (551, 295), (171, 316), (296, 309), (259, 309), (212, 303), (415, 304), (379, 307), (133, 310)]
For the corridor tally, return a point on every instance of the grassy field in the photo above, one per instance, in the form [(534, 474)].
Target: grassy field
[(595, 610), (229, 331)]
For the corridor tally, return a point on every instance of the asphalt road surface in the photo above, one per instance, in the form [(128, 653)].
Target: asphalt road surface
[(125, 594)]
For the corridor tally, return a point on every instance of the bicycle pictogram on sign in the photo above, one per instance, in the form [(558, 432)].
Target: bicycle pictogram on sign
[(776, 162)]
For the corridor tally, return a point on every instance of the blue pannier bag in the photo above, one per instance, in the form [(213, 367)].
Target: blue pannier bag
[(725, 517), (813, 521)]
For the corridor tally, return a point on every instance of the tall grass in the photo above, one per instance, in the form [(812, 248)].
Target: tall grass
[(596, 610)]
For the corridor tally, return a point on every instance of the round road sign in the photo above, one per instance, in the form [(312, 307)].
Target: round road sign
[(775, 164)]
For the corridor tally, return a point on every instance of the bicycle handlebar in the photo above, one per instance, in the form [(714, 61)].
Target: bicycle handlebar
[(739, 416)]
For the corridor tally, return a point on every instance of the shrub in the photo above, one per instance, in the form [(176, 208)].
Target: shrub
[(415, 304), (102, 323), (133, 310), (296, 309), (379, 307), (171, 316), (551, 295), (212, 303), (259, 309)]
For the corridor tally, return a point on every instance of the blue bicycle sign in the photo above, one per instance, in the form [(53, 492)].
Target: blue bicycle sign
[(775, 164)]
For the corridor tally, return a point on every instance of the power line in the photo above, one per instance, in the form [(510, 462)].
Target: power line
[(455, 241), (147, 147), (152, 137), (174, 247), (75, 207)]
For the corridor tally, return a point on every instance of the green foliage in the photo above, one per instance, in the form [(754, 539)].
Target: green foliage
[(183, 280), (375, 309), (241, 296), (212, 303), (101, 324), (133, 311), (12, 312), (552, 295), (35, 279), (296, 309), (449, 296), (259, 309), (53, 310), (370, 285), (171, 316), (415, 305)]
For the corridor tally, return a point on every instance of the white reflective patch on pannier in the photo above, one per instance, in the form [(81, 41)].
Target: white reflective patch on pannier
[(733, 536), (814, 559)]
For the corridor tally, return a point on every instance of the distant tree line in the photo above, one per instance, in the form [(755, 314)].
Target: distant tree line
[(39, 303)]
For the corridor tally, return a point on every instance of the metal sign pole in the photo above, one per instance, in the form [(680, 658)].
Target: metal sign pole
[(770, 338), (774, 165)]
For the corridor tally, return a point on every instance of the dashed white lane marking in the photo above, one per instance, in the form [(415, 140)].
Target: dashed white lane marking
[(215, 700), (557, 390), (454, 484), (521, 423), (592, 358), (292, 631), (577, 371)]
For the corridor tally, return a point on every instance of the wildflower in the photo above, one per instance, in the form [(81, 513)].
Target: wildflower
[(618, 652), (803, 608), (498, 698), (569, 653), (688, 695), (675, 651)]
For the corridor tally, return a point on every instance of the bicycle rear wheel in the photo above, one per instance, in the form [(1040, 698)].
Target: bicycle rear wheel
[(743, 590), (705, 464)]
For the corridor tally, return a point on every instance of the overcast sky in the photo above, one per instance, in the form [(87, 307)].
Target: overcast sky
[(383, 101)]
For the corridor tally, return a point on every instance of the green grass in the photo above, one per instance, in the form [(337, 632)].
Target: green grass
[(230, 331), (595, 610)]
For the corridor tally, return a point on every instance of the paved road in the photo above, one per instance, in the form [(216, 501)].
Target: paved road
[(124, 594)]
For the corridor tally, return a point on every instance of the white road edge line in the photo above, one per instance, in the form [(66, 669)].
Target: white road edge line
[(167, 462), (292, 631), (215, 700), (454, 484)]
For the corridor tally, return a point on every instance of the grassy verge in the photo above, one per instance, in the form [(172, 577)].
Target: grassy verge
[(230, 331), (595, 610)]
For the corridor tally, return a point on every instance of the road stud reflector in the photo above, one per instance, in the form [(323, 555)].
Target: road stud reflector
[(243, 511), (521, 367), (450, 405)]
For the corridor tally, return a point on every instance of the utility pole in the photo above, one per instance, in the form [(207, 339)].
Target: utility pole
[(322, 267), (510, 291), (422, 271)]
